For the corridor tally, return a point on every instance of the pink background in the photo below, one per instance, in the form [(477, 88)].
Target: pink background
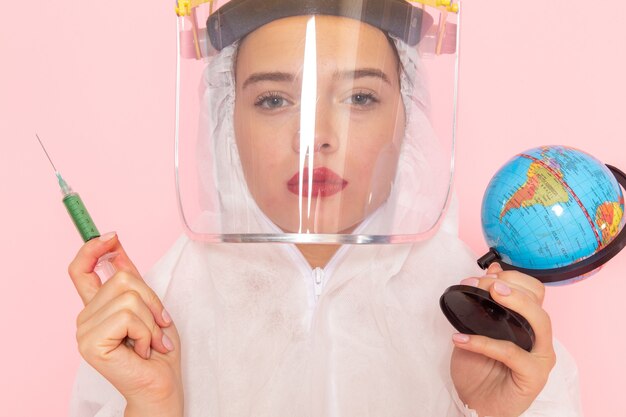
[(96, 81)]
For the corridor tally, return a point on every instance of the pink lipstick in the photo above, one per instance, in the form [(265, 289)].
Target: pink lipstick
[(325, 183)]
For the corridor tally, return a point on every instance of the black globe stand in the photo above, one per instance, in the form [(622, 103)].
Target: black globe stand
[(472, 310)]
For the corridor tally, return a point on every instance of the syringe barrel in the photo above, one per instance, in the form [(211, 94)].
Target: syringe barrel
[(80, 216)]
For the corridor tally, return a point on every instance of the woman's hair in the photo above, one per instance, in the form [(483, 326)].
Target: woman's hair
[(396, 54)]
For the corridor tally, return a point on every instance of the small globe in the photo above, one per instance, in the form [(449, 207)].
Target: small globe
[(551, 207)]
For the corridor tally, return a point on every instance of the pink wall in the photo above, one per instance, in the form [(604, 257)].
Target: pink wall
[(96, 81)]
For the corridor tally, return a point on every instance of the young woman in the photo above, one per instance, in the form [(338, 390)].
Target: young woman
[(318, 128)]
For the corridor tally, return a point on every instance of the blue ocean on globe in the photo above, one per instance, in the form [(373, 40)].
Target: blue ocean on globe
[(550, 207)]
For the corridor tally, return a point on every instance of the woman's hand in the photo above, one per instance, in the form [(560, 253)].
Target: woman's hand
[(145, 371), (495, 377)]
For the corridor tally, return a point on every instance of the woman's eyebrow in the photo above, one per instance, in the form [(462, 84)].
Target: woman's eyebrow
[(278, 76), (268, 76), (362, 73)]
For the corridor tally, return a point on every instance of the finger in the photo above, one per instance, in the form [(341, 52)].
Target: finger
[(527, 367), (119, 284), (122, 262), (517, 278), (530, 285), (486, 282), (171, 340), (102, 342), (527, 282), (528, 308), (494, 268), (131, 301), (503, 351), (81, 269)]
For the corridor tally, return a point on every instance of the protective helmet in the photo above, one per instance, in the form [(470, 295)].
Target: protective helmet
[(315, 121)]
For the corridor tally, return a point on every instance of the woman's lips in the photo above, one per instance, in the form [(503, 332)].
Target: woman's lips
[(325, 183)]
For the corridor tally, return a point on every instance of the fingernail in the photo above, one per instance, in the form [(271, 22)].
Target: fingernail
[(107, 236), (472, 282), (167, 343), (460, 338), (501, 288), (166, 316), (493, 276)]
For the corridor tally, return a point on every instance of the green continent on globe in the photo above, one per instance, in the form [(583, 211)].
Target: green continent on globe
[(608, 219), (541, 187)]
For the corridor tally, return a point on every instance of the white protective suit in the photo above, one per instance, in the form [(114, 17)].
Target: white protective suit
[(263, 334)]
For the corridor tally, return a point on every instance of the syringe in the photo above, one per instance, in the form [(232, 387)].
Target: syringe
[(81, 218)]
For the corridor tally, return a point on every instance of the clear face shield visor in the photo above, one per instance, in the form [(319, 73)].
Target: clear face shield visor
[(309, 121)]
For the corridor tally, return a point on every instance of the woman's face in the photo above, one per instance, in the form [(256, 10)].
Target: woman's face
[(349, 109)]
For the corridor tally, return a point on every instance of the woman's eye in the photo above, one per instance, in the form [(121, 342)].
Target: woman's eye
[(363, 99), (271, 102)]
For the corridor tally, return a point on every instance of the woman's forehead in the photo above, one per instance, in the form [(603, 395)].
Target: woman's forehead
[(341, 44)]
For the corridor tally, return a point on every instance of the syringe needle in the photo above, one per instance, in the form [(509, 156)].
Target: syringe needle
[(81, 218), (46, 152), (65, 188)]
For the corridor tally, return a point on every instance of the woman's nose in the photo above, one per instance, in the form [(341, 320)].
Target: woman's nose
[(321, 135)]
